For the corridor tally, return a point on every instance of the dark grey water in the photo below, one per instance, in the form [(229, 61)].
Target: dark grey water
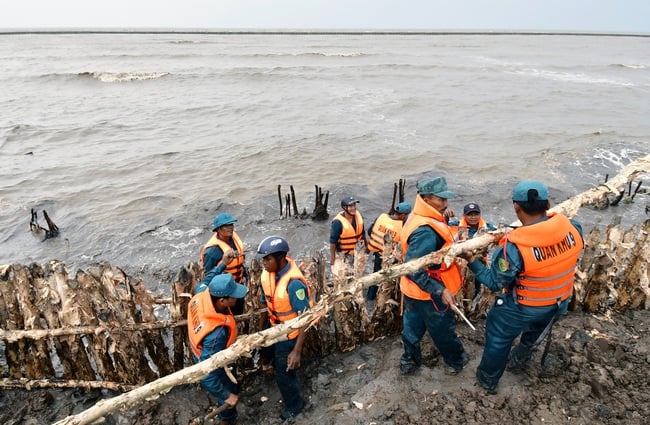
[(133, 142)]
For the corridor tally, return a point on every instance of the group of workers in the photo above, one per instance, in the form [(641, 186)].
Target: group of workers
[(532, 269)]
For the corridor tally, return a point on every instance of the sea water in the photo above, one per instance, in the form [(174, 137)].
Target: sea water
[(133, 142)]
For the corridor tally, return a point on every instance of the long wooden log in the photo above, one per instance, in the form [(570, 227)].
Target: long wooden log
[(596, 195), (32, 384), (245, 344), (15, 335)]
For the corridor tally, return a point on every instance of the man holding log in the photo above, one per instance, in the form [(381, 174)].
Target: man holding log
[(429, 292), (390, 223), (285, 292), (535, 265), (211, 327), (224, 239)]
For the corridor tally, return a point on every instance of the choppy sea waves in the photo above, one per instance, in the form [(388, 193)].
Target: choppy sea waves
[(133, 142)]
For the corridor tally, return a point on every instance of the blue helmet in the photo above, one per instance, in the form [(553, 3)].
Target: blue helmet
[(221, 220), (271, 245)]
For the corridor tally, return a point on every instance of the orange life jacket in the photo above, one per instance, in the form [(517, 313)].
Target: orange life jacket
[(202, 319), (277, 295), (383, 225), (349, 235), (482, 224), (550, 250), (235, 267), (424, 214)]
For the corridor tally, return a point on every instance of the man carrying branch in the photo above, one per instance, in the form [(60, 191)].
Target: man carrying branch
[(211, 327), (429, 292), (535, 265)]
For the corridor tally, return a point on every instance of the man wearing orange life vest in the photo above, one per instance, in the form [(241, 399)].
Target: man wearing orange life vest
[(429, 292), (286, 294), (535, 265), (472, 220), (211, 328), (385, 223), (346, 230), (212, 254)]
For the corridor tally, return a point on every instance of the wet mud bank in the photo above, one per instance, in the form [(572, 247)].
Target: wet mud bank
[(597, 372)]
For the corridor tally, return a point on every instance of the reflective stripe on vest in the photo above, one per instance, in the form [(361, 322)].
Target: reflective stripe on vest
[(235, 267), (349, 235), (277, 295), (383, 225), (550, 251), (202, 319)]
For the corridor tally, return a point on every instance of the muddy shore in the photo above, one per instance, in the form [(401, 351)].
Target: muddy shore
[(597, 372)]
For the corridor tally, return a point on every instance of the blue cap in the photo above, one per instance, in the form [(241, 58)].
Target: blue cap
[(403, 208), (222, 219), (347, 201), (471, 207), (223, 285), (520, 192), (435, 186)]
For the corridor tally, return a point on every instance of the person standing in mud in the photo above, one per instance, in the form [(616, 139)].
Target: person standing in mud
[(286, 294), (535, 265), (346, 230), (223, 239), (211, 328), (429, 292), (385, 223)]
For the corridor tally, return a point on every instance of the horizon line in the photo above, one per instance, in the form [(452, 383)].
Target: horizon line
[(64, 31)]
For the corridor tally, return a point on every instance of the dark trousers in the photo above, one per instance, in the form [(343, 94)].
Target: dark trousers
[(439, 320), (505, 321), (287, 380)]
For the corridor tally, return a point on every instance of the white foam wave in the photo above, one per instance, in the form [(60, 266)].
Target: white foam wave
[(616, 160), (121, 77), (324, 54), (333, 54), (568, 77), (629, 65), (167, 234)]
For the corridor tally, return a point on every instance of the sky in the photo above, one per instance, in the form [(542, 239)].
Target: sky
[(621, 16)]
